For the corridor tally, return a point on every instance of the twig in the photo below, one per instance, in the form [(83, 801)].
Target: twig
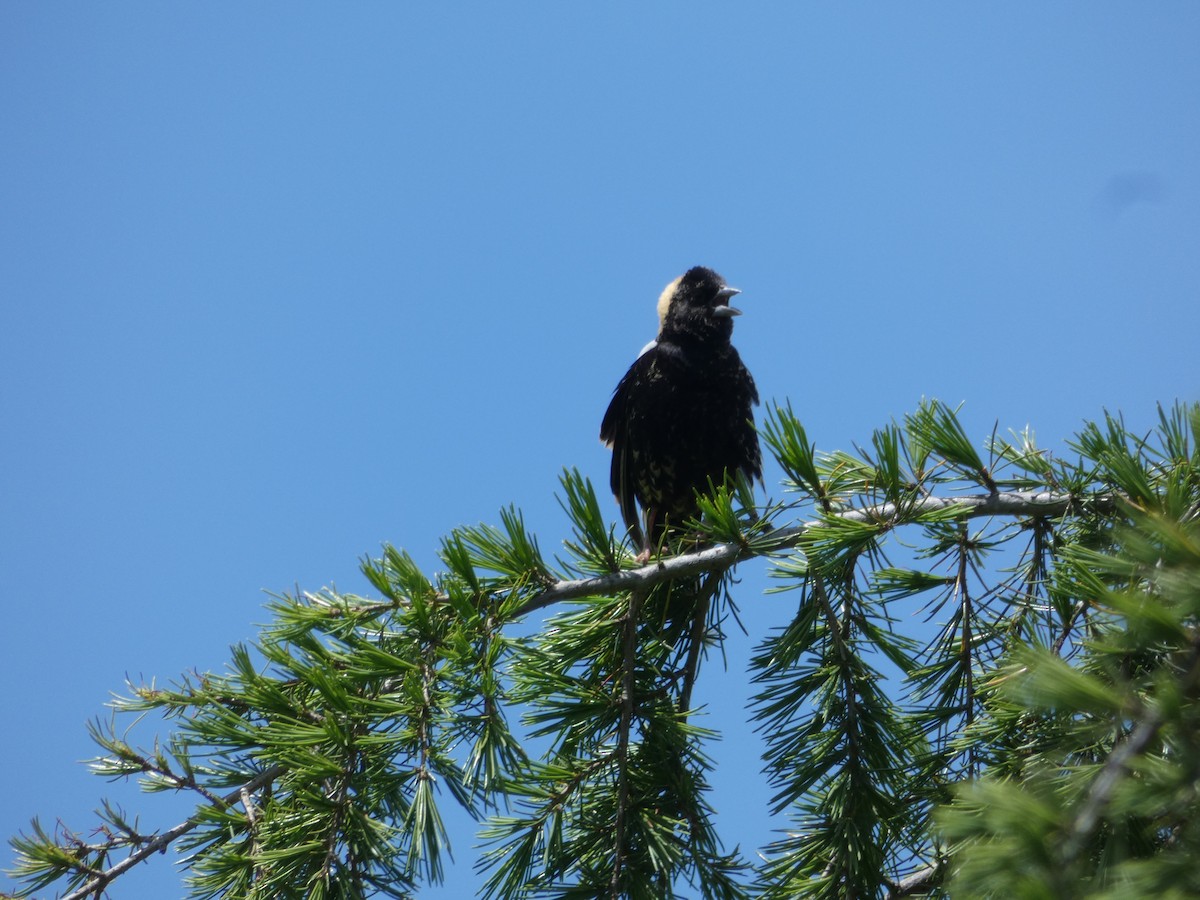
[(100, 881), (628, 704), (696, 637)]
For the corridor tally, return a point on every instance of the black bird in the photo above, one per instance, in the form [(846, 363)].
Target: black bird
[(682, 415)]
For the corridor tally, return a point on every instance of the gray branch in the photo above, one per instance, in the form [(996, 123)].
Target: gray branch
[(1010, 503), (98, 882), (919, 882)]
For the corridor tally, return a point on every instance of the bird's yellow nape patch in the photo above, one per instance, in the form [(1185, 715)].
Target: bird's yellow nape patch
[(664, 300)]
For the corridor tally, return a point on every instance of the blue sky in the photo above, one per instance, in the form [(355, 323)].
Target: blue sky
[(280, 283)]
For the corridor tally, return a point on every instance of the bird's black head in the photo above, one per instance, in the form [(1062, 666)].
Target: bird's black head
[(696, 306)]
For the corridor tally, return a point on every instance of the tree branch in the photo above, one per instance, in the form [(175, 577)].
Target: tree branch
[(919, 882), (696, 638), (1010, 503), (628, 706), (1116, 767), (97, 883)]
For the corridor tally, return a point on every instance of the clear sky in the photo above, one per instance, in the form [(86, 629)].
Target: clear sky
[(282, 282)]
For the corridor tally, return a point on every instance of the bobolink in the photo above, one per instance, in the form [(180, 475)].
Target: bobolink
[(682, 415)]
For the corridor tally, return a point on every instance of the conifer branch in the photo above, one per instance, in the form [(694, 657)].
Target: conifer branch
[(696, 639), (1000, 503), (416, 680), (1117, 766), (628, 708), (97, 884)]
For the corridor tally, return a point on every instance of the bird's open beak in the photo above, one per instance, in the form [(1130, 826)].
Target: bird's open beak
[(725, 310)]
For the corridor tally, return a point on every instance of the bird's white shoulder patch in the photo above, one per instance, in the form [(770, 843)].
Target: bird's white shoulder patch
[(650, 346)]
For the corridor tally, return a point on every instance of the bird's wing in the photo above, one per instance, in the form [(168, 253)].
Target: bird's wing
[(613, 432)]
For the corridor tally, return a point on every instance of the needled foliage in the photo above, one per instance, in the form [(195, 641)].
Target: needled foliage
[(983, 681)]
